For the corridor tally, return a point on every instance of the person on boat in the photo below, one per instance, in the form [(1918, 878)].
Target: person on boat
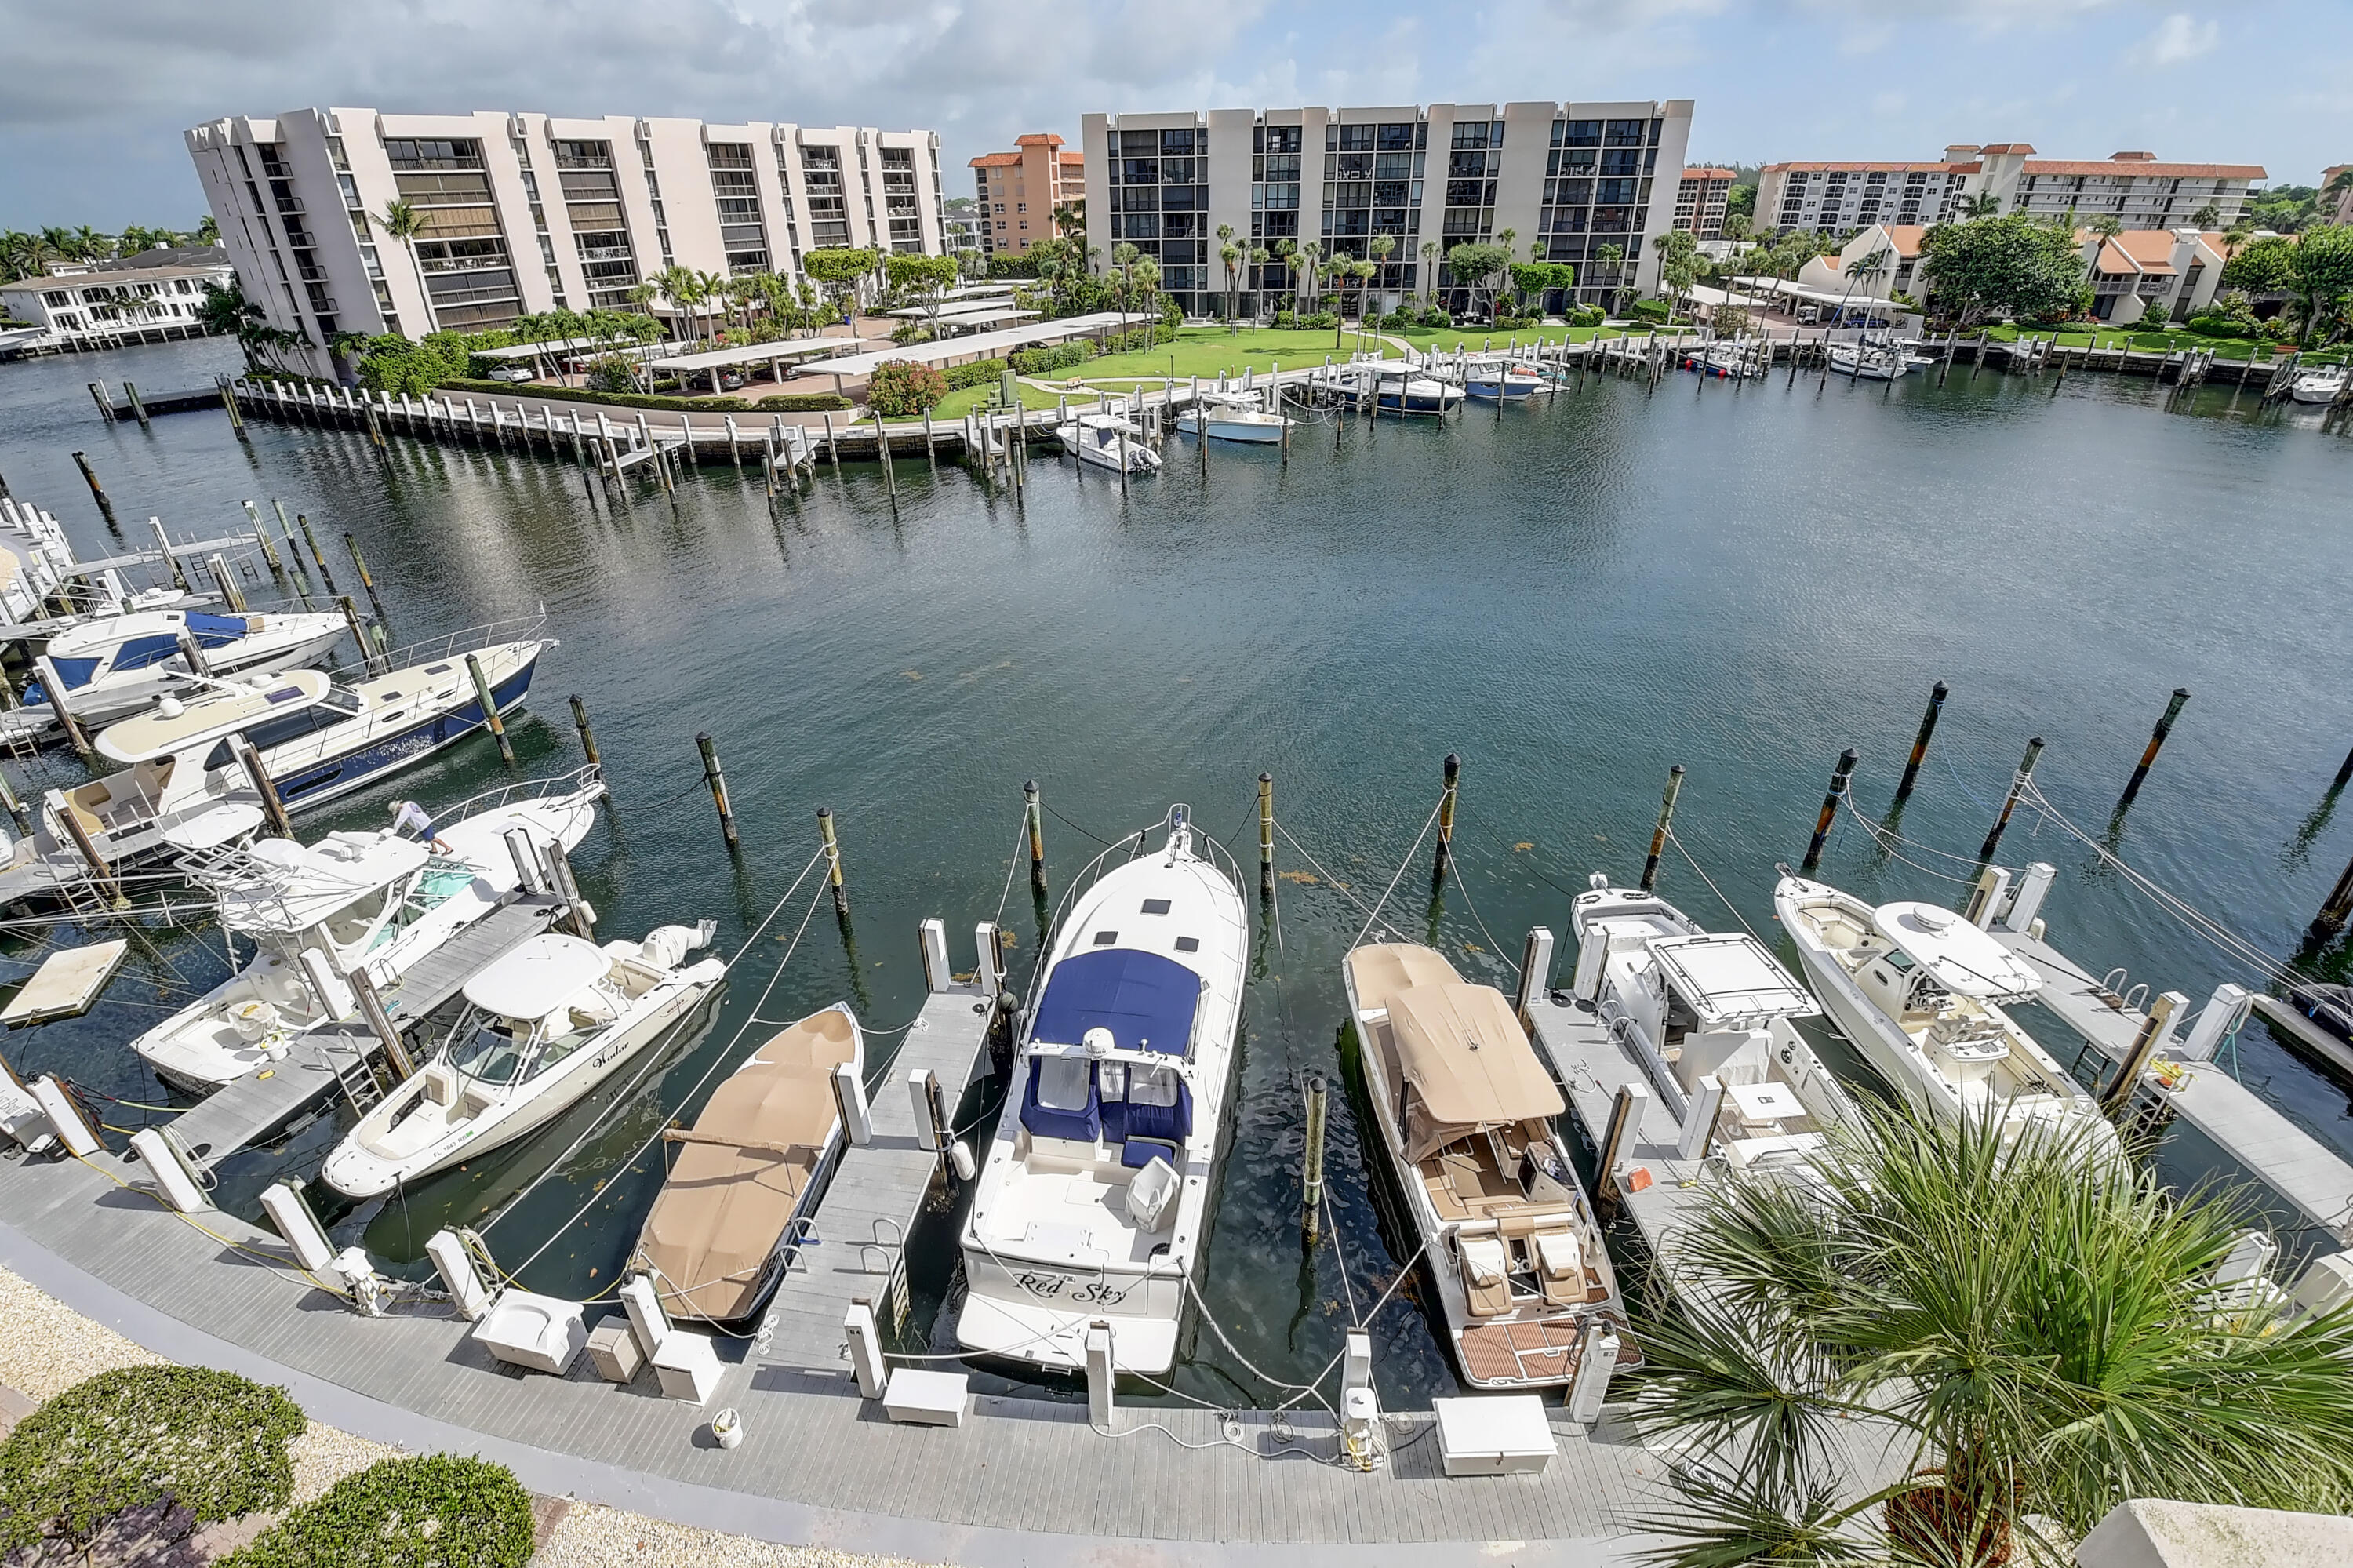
[(408, 817)]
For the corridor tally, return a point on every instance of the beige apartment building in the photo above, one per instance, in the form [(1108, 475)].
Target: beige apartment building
[(527, 212), (1701, 201), (2137, 188), (1018, 191)]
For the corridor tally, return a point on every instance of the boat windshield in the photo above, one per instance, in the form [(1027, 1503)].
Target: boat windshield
[(488, 1048), (343, 699)]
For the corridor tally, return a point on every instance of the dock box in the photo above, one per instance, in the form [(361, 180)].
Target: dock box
[(1493, 1435), (613, 1347), (688, 1366), (925, 1398)]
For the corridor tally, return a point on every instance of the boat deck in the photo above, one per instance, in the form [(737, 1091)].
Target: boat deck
[(2284, 1158)]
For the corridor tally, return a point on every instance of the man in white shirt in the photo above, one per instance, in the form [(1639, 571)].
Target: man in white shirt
[(408, 817)]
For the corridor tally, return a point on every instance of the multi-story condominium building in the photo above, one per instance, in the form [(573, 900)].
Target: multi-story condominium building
[(1840, 198), (1018, 191), (525, 213), (1701, 200), (964, 230), (1573, 179)]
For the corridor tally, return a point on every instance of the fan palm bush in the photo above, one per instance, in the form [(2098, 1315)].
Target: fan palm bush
[(2038, 1344)]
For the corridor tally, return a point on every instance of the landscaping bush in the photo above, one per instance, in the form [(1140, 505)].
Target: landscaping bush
[(1588, 316), (979, 373), (1437, 316), (442, 1510), (212, 1442), (1655, 311), (782, 403), (898, 387), (1321, 321), (1398, 320), (802, 403), (1286, 321), (1063, 356), (612, 373)]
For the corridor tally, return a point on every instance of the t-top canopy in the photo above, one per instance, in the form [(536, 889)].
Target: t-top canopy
[(1724, 977), (1964, 959), (210, 718), (537, 978), (1467, 1064), (1146, 1000), (305, 885)]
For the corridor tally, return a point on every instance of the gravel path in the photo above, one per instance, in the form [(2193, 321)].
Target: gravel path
[(52, 1348)]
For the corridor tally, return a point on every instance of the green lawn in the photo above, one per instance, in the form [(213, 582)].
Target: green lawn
[(957, 405), (1205, 351), (2224, 347)]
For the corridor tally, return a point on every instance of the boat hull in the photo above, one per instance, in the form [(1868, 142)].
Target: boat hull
[(1245, 431)]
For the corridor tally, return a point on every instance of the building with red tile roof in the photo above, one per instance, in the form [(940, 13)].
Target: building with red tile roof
[(2137, 187), (1701, 200), (1018, 191)]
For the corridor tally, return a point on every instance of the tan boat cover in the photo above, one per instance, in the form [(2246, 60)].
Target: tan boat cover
[(717, 1219), (1467, 1064), (1388, 968)]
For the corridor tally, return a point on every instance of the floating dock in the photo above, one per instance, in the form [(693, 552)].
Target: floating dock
[(66, 984)]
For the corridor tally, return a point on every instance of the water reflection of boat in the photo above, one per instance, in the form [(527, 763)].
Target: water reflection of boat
[(542, 1026)]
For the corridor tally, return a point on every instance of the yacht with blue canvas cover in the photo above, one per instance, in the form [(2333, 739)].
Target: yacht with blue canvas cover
[(1094, 1199), (121, 664)]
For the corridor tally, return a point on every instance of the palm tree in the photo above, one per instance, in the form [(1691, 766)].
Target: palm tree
[(208, 232), (402, 222), (1985, 204), (1123, 258), (1231, 254), (1614, 257), (1384, 246), (1305, 261), (1070, 218), (2037, 1327), (1429, 274)]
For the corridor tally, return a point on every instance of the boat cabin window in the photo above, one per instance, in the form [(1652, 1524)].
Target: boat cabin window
[(488, 1048), (142, 652), (583, 1029), (344, 700), (75, 671), (280, 730), (1062, 1083)]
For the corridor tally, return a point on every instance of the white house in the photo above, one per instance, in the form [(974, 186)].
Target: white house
[(2165, 273), (82, 306)]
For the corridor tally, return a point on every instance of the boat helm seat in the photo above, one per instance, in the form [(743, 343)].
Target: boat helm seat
[(1486, 1281), (1151, 1192)]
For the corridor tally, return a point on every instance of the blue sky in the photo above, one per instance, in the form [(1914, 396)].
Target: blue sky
[(99, 90)]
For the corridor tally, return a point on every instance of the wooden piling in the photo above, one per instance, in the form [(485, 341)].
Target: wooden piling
[(488, 700), (286, 529), (367, 579), (1666, 821), (2116, 1098), (833, 861), (588, 736), (318, 557), (97, 491), (257, 773), (139, 409), (54, 684), (1936, 695), (1444, 857), (359, 632), (718, 782), (1311, 1190), (2333, 913), (1265, 834), (231, 595), (2009, 803), (1840, 777), (1036, 815), (2156, 742), (171, 556), (236, 414), (98, 395), (261, 537)]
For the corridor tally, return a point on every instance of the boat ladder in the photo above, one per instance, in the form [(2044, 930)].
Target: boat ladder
[(361, 1086)]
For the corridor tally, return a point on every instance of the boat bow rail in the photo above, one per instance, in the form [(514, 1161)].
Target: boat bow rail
[(516, 628)]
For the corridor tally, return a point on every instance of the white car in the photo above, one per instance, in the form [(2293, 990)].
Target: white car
[(513, 373)]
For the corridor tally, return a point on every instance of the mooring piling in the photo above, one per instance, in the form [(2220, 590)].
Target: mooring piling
[(231, 595), (97, 491), (318, 557), (1444, 855), (171, 556), (833, 861), (2339, 905), (54, 684), (718, 782), (1265, 834), (1035, 812), (2009, 803), (138, 410), (367, 579), (588, 736), (488, 700), (2156, 742), (261, 537), (1840, 778), (2118, 1096), (273, 805), (1936, 695), (1311, 1188), (1666, 823)]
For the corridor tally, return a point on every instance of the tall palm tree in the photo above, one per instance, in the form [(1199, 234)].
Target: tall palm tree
[(1231, 254), (402, 222), (1613, 257), (1123, 258), (1304, 261), (1383, 247), (1429, 272), (2035, 1327)]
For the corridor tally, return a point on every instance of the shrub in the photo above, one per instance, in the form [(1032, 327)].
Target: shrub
[(1321, 320), (1398, 320), (612, 373), (802, 403), (211, 1441), (786, 402), (900, 386), (1655, 311), (979, 373), (1062, 356), (1172, 316), (442, 1508), (1437, 316), (1286, 320), (1588, 316)]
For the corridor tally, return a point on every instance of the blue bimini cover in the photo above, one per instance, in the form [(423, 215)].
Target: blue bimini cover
[(1144, 1000)]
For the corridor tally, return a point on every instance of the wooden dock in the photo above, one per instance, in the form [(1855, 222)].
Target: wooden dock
[(66, 984), (2306, 1175)]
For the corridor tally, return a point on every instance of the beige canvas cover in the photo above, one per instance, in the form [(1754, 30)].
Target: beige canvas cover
[(717, 1219), (1466, 1062), (1385, 968)]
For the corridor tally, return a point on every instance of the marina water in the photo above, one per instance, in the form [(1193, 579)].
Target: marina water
[(1571, 595)]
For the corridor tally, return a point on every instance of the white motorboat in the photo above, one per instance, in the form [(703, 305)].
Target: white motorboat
[(184, 788), (1732, 359), (1095, 1196), (1108, 440), (542, 1027), (750, 1172), (2321, 384), (111, 667), (1489, 377), (1710, 1018), (1393, 389), (1919, 991), (354, 903), (1233, 417), (1870, 362), (1465, 1113)]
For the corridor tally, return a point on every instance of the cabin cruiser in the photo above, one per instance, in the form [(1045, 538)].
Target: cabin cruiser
[(1872, 359), (750, 1172), (1108, 440), (1095, 1196), (1710, 1018), (1919, 991), (1465, 1113), (110, 667), (2321, 384), (1489, 377), (1233, 417), (183, 787), (354, 903), (542, 1027)]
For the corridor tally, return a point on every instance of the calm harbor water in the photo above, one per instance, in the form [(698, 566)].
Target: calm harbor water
[(1572, 596)]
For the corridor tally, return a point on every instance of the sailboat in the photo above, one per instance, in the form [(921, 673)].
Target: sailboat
[(542, 1026), (750, 1172), (1920, 991), (1465, 1113), (352, 902), (1094, 1198), (111, 667)]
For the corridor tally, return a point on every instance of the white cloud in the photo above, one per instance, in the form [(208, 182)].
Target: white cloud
[(2177, 38)]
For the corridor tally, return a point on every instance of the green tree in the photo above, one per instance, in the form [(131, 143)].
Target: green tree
[(1477, 265), (1613, 257), (1383, 247), (2314, 269), (1231, 255), (1678, 265), (2206, 217), (1985, 204), (929, 278), (2041, 1341), (841, 272), (226, 311), (401, 222), (2016, 265), (208, 232), (2265, 266)]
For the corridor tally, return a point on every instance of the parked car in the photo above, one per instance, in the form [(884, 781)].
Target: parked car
[(729, 381), (1808, 314), (513, 373)]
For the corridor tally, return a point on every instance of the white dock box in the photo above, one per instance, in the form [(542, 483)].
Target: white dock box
[(925, 1398), (1493, 1435), (688, 1366)]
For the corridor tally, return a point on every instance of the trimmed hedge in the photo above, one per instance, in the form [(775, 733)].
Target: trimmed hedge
[(1043, 361), (212, 1442), (782, 403), (445, 1510)]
